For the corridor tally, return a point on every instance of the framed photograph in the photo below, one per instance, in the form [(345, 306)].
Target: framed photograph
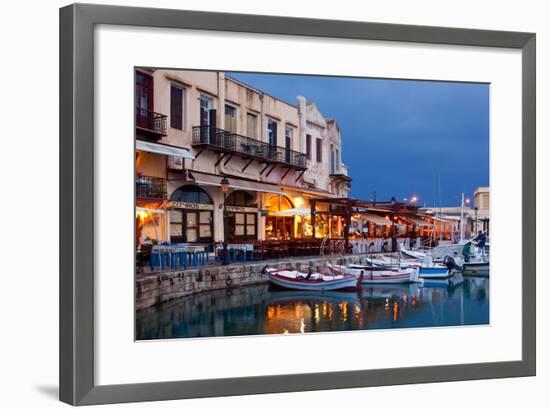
[(254, 204)]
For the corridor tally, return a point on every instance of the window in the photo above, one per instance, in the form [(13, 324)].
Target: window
[(191, 194), (319, 146), (144, 92), (207, 113), (176, 106), (241, 198), (308, 146), (242, 225), (251, 125), (271, 132), (191, 225), (231, 118)]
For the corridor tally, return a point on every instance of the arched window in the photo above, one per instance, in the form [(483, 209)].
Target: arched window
[(241, 198), (276, 203), (191, 194)]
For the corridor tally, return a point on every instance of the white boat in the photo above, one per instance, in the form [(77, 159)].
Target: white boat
[(298, 280), (427, 267), (418, 255), (376, 275)]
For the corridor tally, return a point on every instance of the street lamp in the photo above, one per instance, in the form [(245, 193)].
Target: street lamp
[(475, 220), (393, 238), (224, 185)]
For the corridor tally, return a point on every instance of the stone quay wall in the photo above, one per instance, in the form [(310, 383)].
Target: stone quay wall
[(156, 288)]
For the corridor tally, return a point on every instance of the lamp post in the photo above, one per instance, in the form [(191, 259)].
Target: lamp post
[(475, 220), (393, 238), (225, 187)]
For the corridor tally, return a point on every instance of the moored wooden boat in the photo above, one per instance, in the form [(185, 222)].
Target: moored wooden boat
[(298, 280), (376, 275)]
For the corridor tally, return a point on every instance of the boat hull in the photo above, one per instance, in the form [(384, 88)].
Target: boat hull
[(377, 275), (346, 283), (476, 269), (435, 272)]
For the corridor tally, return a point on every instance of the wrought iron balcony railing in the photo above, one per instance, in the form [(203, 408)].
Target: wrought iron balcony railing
[(148, 187), (150, 124), (248, 147)]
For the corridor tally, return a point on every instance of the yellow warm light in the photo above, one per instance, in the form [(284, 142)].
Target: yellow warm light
[(299, 202), (142, 214)]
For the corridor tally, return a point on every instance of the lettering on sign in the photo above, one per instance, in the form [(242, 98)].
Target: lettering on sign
[(242, 209), (191, 206)]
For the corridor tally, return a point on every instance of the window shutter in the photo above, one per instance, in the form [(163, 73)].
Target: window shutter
[(176, 107), (274, 128), (319, 150), (308, 146)]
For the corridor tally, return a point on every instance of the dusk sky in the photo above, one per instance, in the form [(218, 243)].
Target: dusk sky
[(398, 136)]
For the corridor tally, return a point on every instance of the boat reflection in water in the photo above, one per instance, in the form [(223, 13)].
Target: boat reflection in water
[(258, 310)]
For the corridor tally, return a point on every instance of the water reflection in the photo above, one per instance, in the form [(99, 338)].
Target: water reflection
[(258, 310)]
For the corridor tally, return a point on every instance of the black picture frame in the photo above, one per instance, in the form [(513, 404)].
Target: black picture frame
[(77, 386)]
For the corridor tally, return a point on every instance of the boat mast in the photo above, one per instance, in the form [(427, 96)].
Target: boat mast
[(462, 218), (440, 212)]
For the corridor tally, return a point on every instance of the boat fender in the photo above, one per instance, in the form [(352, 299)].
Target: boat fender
[(228, 282)]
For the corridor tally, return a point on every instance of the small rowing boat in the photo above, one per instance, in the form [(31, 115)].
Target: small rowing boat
[(299, 280), (377, 275)]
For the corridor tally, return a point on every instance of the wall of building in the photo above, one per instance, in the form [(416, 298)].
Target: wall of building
[(302, 118)]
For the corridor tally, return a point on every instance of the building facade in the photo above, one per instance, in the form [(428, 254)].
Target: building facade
[(199, 130), (475, 216)]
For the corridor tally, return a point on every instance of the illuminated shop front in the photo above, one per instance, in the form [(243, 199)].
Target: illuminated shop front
[(150, 225), (279, 224)]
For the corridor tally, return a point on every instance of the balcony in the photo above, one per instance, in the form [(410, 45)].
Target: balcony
[(150, 125), (231, 143), (148, 187)]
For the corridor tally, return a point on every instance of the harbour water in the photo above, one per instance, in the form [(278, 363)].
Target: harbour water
[(258, 310)]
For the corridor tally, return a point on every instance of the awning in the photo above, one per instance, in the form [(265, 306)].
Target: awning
[(164, 149), (417, 220), (234, 183), (299, 211), (377, 219)]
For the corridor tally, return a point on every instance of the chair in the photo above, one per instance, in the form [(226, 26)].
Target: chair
[(143, 257)]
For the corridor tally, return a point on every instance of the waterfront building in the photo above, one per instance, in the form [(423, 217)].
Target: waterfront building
[(195, 129), (475, 216)]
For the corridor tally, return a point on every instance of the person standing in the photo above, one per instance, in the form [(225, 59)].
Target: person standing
[(481, 239)]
